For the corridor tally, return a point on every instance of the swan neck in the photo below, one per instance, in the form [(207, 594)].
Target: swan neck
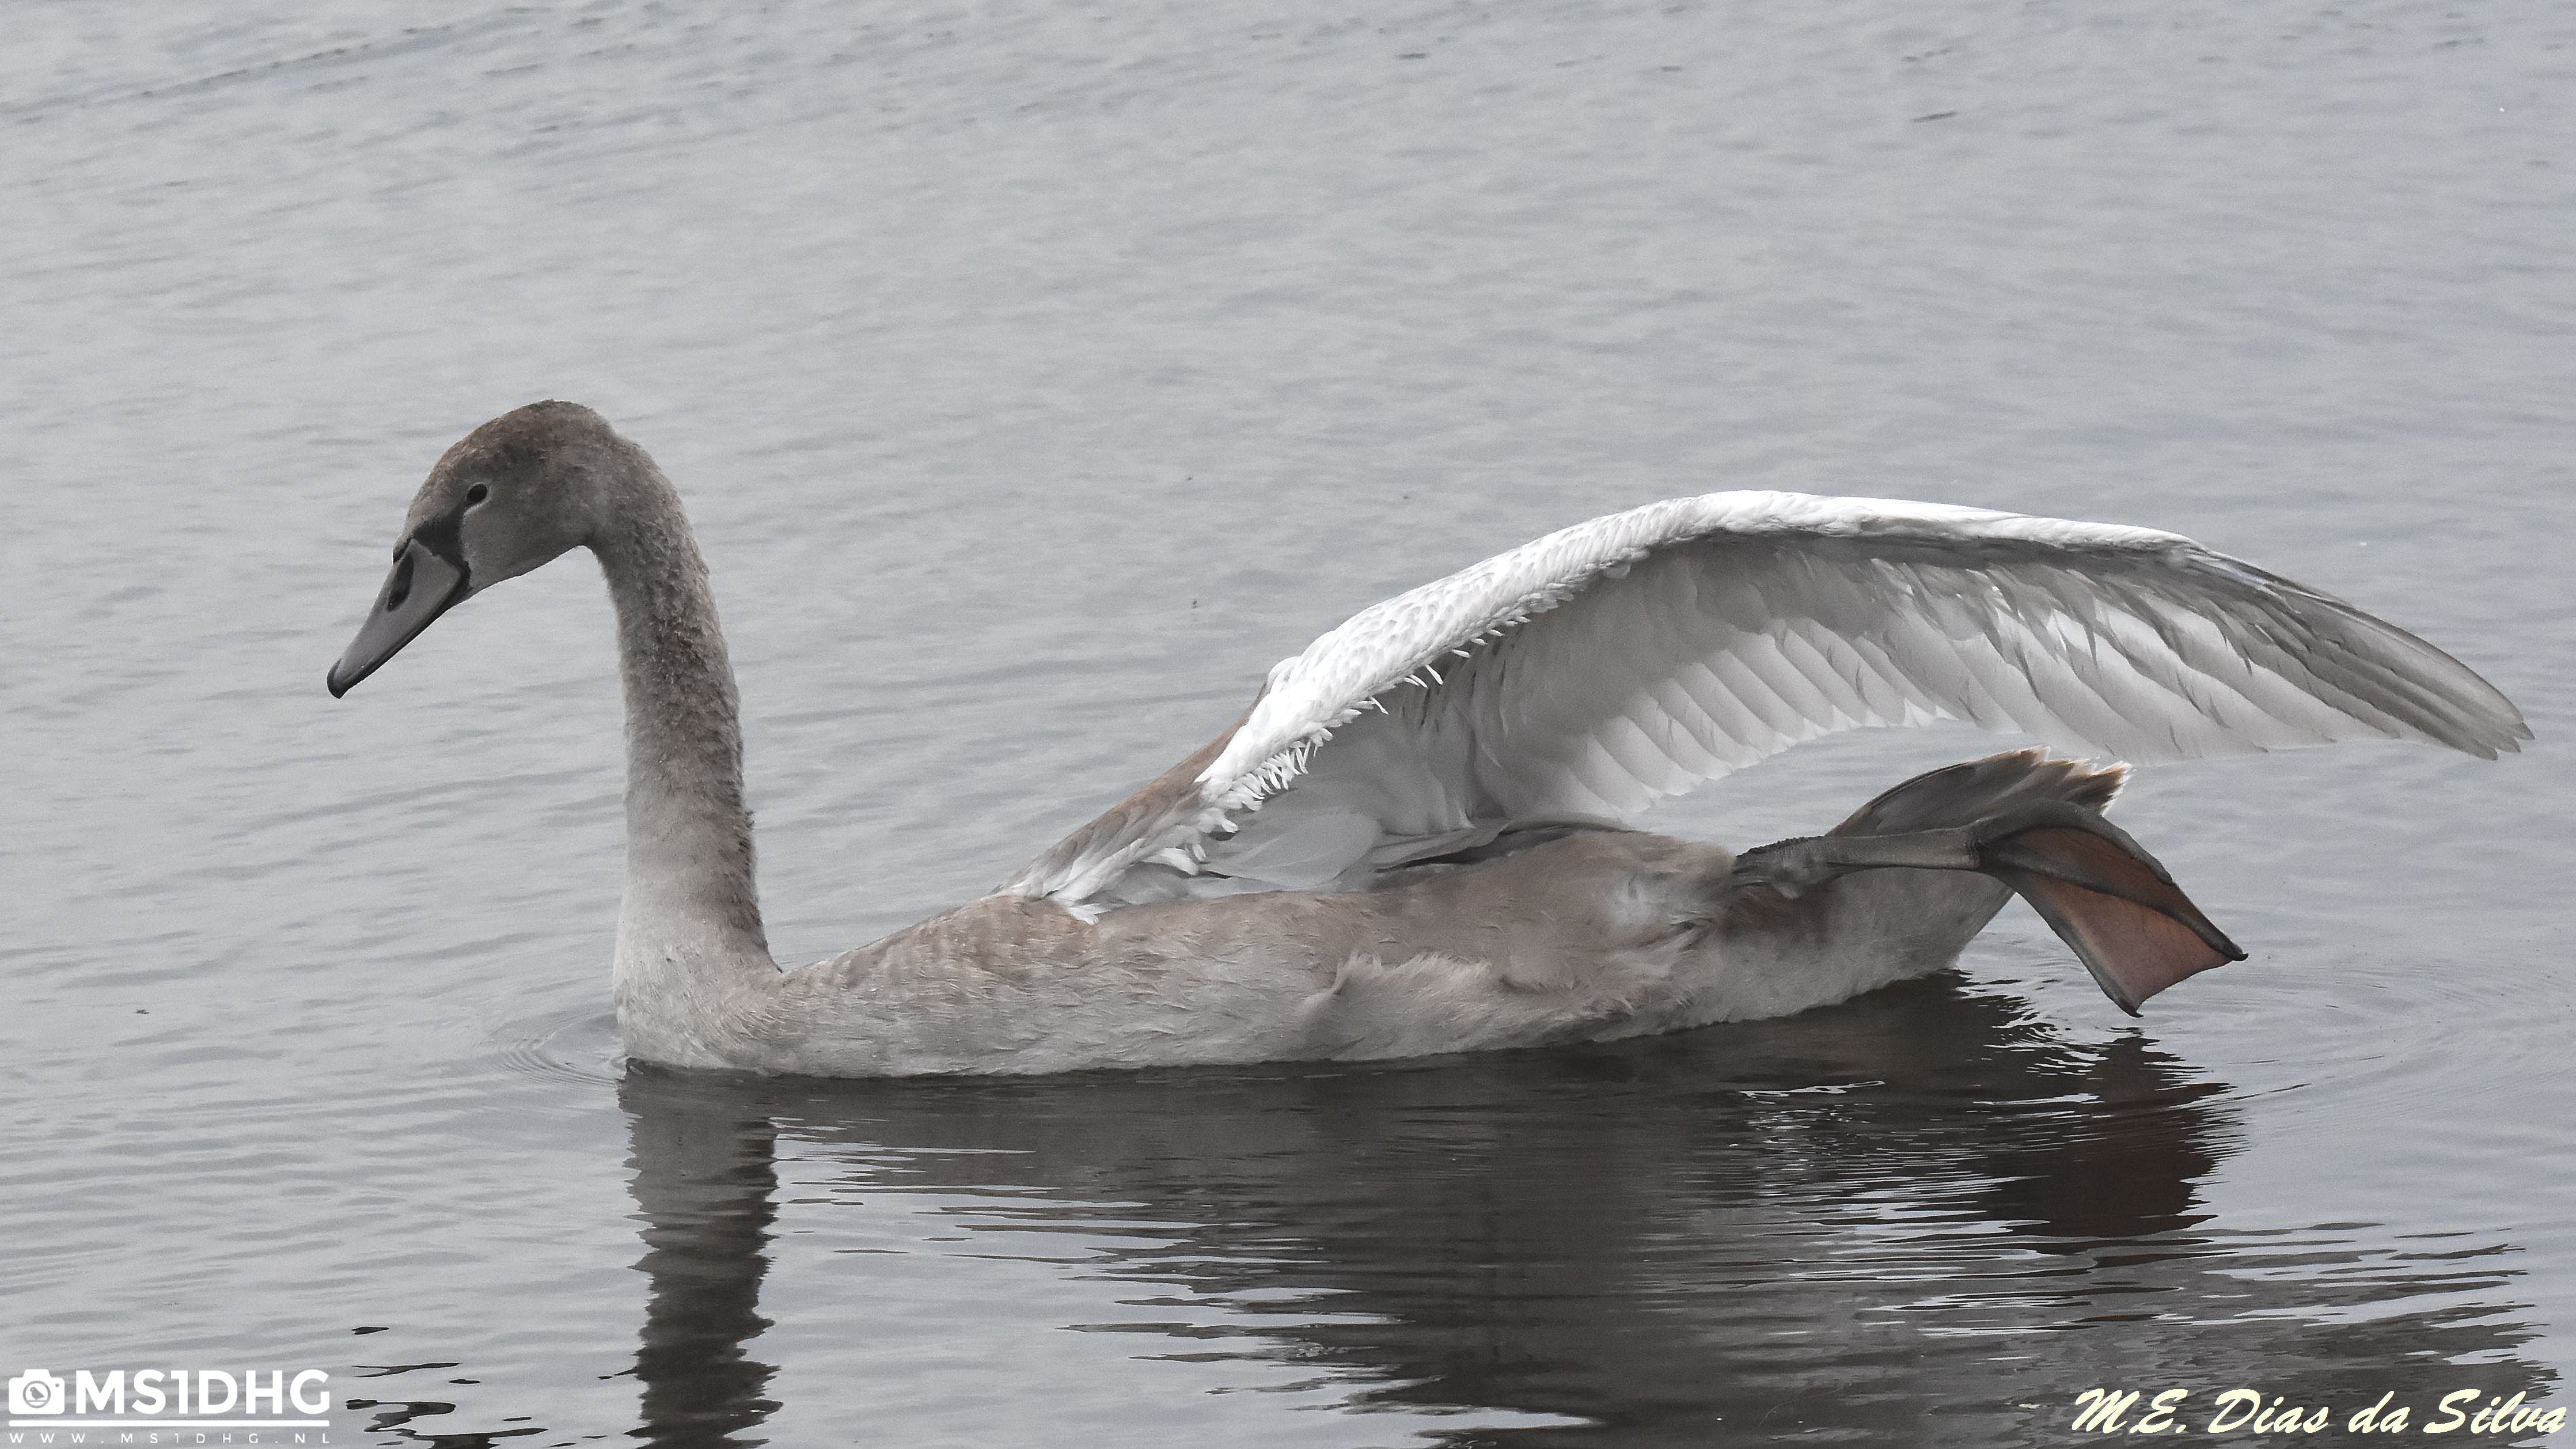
[(691, 895)]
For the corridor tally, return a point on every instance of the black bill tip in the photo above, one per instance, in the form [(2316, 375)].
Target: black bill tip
[(422, 586)]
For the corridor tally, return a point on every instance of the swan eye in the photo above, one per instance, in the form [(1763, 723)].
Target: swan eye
[(476, 494)]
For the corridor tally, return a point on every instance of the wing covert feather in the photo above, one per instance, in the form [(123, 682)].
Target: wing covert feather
[(1597, 669)]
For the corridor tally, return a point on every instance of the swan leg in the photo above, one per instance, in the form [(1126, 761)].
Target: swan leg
[(2111, 901)]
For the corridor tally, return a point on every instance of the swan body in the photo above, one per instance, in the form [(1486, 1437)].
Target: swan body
[(1410, 843)]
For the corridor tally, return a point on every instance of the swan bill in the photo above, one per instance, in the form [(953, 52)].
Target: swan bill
[(422, 586)]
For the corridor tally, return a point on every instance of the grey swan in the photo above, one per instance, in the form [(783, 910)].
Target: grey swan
[(1411, 842)]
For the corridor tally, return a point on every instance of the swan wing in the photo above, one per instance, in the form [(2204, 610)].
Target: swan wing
[(1590, 672)]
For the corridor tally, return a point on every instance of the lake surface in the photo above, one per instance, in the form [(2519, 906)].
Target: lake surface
[(1037, 377)]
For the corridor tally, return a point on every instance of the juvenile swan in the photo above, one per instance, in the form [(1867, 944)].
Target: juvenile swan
[(1410, 842)]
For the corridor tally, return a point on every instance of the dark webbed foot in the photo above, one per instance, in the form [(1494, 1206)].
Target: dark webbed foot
[(2105, 896)]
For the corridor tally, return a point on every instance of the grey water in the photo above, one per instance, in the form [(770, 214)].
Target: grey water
[(1039, 374)]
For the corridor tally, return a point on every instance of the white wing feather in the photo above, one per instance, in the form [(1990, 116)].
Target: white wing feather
[(1635, 656)]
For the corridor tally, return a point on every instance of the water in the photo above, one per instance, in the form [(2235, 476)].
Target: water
[(1036, 378)]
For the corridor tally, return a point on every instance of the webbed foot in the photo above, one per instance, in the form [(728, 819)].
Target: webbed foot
[(2110, 900)]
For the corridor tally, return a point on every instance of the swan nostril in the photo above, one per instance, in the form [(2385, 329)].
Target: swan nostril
[(400, 589)]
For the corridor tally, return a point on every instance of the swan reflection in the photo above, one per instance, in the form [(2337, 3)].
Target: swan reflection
[(1918, 1203), (706, 1183)]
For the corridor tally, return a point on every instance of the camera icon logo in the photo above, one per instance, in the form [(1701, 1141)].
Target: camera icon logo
[(36, 1392)]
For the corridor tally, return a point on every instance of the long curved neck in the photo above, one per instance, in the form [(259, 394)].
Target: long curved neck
[(691, 903)]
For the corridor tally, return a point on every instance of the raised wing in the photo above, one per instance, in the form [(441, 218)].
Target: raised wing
[(1635, 656)]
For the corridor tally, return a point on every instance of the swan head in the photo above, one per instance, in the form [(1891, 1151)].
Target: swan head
[(517, 492)]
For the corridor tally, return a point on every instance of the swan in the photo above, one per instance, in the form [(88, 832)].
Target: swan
[(1411, 841)]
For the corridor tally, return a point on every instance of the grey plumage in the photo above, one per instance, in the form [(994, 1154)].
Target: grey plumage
[(1411, 841)]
